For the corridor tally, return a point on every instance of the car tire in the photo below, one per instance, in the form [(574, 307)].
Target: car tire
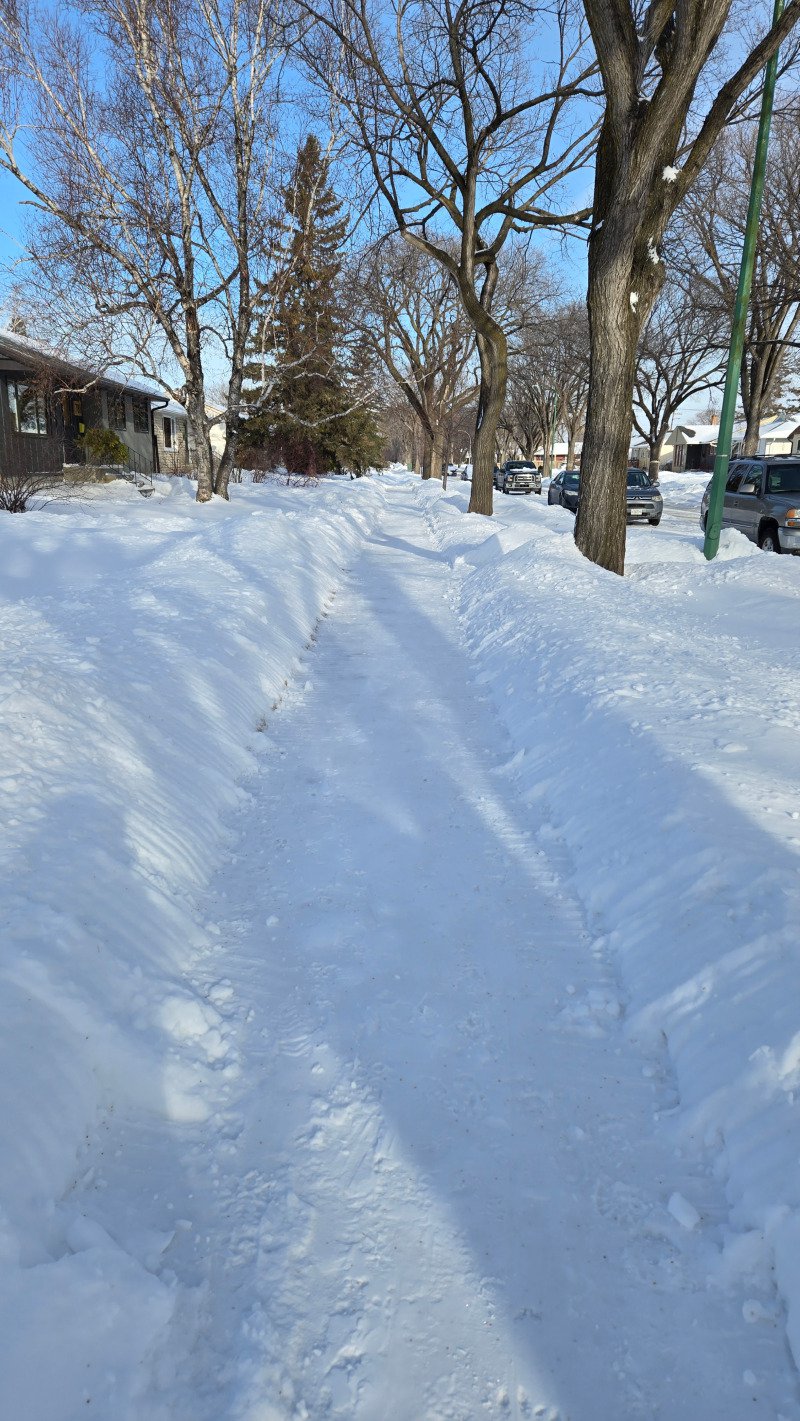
[(654, 522), (768, 539)]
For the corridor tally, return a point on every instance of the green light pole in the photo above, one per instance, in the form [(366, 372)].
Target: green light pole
[(720, 475)]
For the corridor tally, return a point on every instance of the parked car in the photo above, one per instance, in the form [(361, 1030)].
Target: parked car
[(518, 476), (644, 499), (564, 489), (762, 500)]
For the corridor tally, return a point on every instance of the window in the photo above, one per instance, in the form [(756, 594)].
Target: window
[(734, 479), (168, 432), (141, 416), (751, 475), (783, 478), (636, 479), (116, 411), (28, 408)]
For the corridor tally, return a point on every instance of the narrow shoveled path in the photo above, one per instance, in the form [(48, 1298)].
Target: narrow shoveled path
[(433, 1189)]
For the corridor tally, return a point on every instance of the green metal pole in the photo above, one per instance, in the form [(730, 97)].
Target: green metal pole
[(720, 475)]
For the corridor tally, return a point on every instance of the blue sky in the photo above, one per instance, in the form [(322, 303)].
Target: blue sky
[(11, 217)]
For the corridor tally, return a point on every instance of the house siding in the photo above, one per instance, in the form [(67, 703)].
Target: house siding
[(68, 415)]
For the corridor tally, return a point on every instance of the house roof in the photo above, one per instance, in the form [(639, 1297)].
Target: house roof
[(776, 427), (30, 352), (697, 433)]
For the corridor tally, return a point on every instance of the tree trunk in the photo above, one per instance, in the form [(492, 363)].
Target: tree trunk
[(492, 397), (614, 328), (200, 456), (427, 456), (547, 453), (437, 454), (753, 403), (571, 442), (654, 463), (227, 463)]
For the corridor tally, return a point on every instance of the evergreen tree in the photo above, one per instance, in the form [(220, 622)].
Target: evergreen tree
[(306, 413)]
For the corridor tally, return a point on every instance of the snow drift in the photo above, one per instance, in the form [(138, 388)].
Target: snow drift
[(144, 644), (656, 719)]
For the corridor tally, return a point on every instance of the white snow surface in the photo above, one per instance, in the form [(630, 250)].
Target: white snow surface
[(400, 957)]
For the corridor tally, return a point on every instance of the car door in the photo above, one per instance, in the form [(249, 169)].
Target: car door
[(554, 491), (732, 513), (747, 500)]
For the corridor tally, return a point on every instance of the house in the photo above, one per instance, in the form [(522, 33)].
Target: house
[(47, 405), (558, 452), (694, 446), (778, 435)]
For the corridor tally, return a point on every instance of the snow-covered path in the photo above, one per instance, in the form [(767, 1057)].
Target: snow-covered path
[(431, 1188)]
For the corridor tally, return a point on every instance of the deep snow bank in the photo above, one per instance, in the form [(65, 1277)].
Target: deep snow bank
[(656, 719), (143, 646)]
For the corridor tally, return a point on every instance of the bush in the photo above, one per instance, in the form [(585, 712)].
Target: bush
[(20, 489), (102, 446)]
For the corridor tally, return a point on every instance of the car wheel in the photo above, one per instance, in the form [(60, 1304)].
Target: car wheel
[(654, 522), (768, 539)]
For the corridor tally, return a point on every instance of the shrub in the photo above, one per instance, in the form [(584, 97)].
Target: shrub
[(21, 489), (102, 446)]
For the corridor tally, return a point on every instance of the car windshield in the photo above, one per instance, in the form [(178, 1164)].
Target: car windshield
[(784, 478), (571, 481), (519, 464), (636, 479)]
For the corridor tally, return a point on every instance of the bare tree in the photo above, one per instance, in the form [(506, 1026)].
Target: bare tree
[(709, 238), (549, 380), (148, 129), (682, 354), (657, 134), (469, 116), (414, 319)]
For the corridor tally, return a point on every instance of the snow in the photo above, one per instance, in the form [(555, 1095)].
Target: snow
[(670, 175), (399, 961), (135, 672), (681, 685), (634, 300)]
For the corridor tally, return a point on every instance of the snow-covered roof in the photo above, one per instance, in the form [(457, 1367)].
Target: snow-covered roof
[(780, 427), (776, 427), (697, 433), (560, 449), (27, 350)]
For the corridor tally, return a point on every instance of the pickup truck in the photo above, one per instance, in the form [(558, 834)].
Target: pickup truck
[(518, 476)]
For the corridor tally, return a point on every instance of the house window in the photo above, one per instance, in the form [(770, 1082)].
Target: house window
[(28, 408), (141, 416), (168, 433), (116, 412)]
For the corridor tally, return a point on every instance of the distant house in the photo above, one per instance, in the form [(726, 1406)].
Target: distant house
[(47, 404), (694, 446), (779, 435), (559, 452)]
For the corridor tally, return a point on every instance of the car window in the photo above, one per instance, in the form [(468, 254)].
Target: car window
[(570, 481), (734, 479), (751, 474), (636, 478), (783, 478)]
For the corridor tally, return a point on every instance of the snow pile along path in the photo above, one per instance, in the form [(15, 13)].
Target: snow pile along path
[(655, 725), (144, 644)]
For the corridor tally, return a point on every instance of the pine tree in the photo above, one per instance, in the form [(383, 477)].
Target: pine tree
[(299, 388)]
